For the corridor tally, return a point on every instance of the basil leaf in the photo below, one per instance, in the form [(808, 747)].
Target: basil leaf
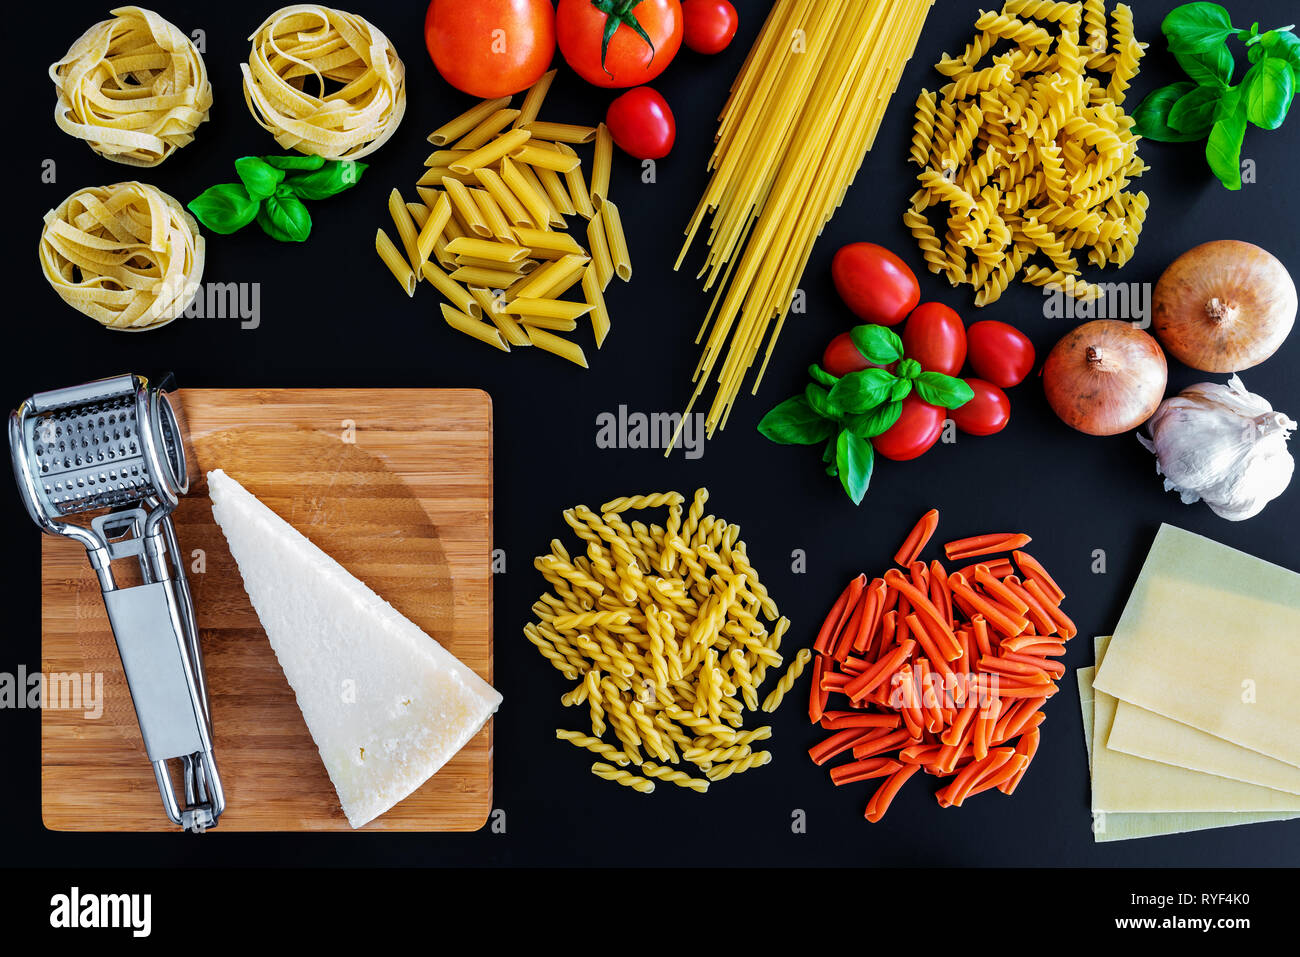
[(820, 401), (908, 369), (224, 208), (1282, 44), (876, 422), (284, 217), (861, 391), (1223, 148), (855, 459), (943, 390), (821, 375), (1193, 115), (259, 178), (1212, 67), (330, 180), (795, 422), (1151, 118), (294, 162), (877, 344), (901, 390), (828, 456), (1196, 27), (1267, 91)]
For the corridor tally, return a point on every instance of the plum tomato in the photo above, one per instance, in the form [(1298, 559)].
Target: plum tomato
[(710, 25), (626, 59), (915, 432), (875, 284), (935, 336), (491, 48), (642, 124), (842, 357), (988, 412), (999, 353)]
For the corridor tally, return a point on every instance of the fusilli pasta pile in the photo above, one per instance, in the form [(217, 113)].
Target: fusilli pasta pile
[(663, 630), (1030, 153)]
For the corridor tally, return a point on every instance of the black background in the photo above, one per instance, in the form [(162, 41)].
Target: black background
[(332, 316)]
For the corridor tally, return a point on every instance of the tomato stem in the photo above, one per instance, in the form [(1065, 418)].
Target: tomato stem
[(619, 13)]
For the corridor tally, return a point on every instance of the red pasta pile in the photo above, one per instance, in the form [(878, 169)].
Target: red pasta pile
[(943, 672)]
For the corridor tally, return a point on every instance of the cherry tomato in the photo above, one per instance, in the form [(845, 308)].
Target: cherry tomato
[(999, 353), (935, 337), (629, 60), (842, 357), (467, 46), (915, 432), (988, 412), (642, 124), (710, 25), (874, 283)]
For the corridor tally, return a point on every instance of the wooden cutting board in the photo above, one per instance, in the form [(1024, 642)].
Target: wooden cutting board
[(395, 484)]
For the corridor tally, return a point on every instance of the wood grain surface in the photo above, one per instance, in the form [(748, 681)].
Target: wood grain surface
[(395, 484)]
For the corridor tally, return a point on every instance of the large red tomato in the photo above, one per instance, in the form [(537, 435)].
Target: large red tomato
[(916, 430), (1000, 353), (628, 60), (490, 48), (988, 412)]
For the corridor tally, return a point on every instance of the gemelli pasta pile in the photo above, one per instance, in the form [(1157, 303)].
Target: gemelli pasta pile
[(940, 672), (492, 239), (1026, 154), (661, 628)]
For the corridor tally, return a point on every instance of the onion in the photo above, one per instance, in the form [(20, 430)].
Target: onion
[(1224, 306), (1105, 377)]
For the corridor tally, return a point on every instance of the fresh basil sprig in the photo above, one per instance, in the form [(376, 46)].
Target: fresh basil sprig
[(847, 412), (1210, 107), (271, 190)]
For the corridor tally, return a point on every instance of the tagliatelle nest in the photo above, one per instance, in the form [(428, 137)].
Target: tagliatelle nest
[(324, 82), (127, 255), (135, 88)]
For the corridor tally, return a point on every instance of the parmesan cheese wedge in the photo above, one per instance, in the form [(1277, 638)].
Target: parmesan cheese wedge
[(386, 704)]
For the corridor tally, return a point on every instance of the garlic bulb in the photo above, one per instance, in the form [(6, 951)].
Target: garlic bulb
[(1223, 445)]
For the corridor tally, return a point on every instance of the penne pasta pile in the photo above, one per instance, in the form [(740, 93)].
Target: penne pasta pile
[(662, 630), (489, 230)]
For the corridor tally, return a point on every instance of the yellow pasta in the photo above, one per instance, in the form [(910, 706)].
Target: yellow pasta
[(534, 98), (602, 261), (616, 241), (484, 276), (488, 249), (532, 200), (295, 52), (432, 227), (555, 190), (773, 700), (548, 308), (467, 121), (505, 199), (483, 133), (555, 345), (625, 778), (474, 327), (395, 261), (462, 203), (579, 195), (455, 293), (135, 88), (602, 165), (561, 132), (491, 152), (596, 299)]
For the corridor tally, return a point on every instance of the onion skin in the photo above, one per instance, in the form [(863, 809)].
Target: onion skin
[(1105, 377), (1224, 306)]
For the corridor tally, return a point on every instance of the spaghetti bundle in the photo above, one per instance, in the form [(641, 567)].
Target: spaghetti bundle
[(803, 112), (128, 255), (324, 82), (135, 88)]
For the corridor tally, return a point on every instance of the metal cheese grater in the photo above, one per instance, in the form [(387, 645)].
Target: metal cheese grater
[(110, 453)]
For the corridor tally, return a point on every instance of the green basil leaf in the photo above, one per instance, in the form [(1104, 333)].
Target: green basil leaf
[(876, 422), (828, 456), (820, 401), (1223, 148), (283, 217), (795, 422), (1212, 67), (821, 375), (1282, 44), (908, 369), (877, 344), (862, 391), (1151, 118), (1267, 92), (900, 390), (943, 390), (1193, 115), (259, 178), (855, 459), (224, 208), (329, 180), (294, 162), (1194, 27)]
